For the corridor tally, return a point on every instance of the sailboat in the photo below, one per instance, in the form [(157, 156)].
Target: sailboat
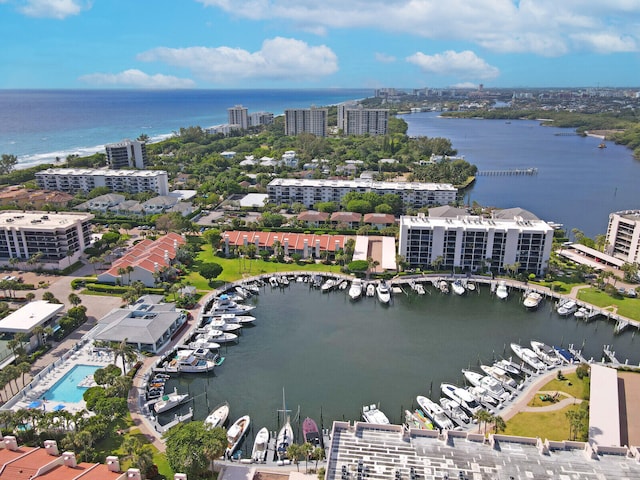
[(285, 435)]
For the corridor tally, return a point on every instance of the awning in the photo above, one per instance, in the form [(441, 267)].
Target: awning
[(35, 404)]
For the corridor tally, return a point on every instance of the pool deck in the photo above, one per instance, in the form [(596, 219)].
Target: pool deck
[(47, 378)]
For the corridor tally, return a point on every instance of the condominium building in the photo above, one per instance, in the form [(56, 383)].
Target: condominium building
[(126, 154), (239, 115), (311, 191), (306, 120), (58, 239), (74, 180), (260, 118), (353, 119), (623, 235), (472, 243)]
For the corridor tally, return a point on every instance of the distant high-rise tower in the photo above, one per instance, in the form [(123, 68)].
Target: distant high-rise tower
[(353, 119), (310, 120), (126, 154), (239, 115)]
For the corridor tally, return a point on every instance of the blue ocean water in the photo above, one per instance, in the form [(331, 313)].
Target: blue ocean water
[(40, 125)]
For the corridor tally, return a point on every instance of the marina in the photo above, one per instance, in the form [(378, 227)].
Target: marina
[(409, 332)]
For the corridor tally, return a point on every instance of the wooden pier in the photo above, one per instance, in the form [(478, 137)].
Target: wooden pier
[(511, 171)]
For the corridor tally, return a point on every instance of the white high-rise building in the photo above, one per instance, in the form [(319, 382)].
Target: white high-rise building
[(353, 119), (623, 235), (260, 118), (472, 243), (239, 115), (72, 180), (126, 154), (306, 120)]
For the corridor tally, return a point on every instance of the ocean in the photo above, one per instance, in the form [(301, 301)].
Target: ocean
[(39, 125)]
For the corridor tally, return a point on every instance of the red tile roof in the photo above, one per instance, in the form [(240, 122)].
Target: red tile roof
[(346, 217), (146, 253), (295, 240), (379, 218)]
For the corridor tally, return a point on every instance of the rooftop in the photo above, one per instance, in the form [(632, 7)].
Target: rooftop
[(41, 220), (31, 315), (360, 183)]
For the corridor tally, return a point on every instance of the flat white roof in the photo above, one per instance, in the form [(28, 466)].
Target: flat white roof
[(101, 172), (40, 220), (30, 316), (472, 222), (592, 252), (362, 183), (604, 407), (253, 200)]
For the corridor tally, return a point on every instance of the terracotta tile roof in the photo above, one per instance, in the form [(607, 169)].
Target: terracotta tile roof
[(346, 217), (313, 216), (379, 218), (26, 466), (294, 240), (146, 253)]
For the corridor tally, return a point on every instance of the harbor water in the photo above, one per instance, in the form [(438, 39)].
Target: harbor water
[(332, 355)]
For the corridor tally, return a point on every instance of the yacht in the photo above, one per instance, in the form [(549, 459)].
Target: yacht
[(311, 432), (501, 291), (419, 288), (546, 353), (236, 432), (273, 281), (532, 300), (500, 375), (218, 416), (462, 396), (529, 357), (458, 287), (371, 290), (435, 413), (581, 313), (372, 414), (493, 386), (167, 402), (216, 336), (261, 446), (224, 304), (383, 292), (355, 290), (443, 286), (192, 361), (454, 411), (234, 318), (566, 308), (222, 324), (328, 285)]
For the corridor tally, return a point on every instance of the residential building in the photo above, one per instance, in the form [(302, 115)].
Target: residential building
[(354, 119), (74, 180), (350, 219), (289, 159), (223, 128), (126, 154), (58, 239), (306, 120), (239, 115), (101, 203), (147, 325), (623, 235), (145, 259), (472, 243), (260, 118), (29, 198), (313, 218), (311, 191), (379, 220)]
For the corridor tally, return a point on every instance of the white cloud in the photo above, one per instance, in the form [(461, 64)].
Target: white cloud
[(57, 9), (138, 79), (465, 85), (543, 27), (384, 58), (464, 65), (279, 58)]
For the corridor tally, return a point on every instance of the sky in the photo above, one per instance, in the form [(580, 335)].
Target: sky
[(168, 44)]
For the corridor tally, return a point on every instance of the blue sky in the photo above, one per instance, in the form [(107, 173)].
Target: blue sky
[(312, 43)]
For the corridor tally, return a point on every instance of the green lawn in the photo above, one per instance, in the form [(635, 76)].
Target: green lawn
[(550, 425), (237, 268), (627, 307), (572, 385)]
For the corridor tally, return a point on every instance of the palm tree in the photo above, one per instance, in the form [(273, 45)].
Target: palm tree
[(499, 425), (437, 262), (294, 452), (306, 449), (129, 269), (482, 416), (126, 351), (371, 265), (317, 455), (121, 272)]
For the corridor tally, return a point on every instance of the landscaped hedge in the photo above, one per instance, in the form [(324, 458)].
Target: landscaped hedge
[(119, 290)]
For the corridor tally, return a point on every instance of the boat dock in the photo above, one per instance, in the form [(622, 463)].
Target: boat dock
[(510, 171)]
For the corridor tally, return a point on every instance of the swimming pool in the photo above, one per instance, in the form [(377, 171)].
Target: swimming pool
[(66, 389)]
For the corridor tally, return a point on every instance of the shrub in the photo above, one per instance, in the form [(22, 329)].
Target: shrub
[(582, 371)]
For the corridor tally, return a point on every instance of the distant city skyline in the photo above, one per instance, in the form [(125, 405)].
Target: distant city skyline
[(309, 44)]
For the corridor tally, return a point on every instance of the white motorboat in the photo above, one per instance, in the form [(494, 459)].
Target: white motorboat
[(566, 308), (532, 300), (494, 388), (500, 375), (443, 286), (218, 416), (224, 304), (529, 357), (261, 446), (371, 290), (343, 285), (191, 361), (372, 414), (501, 290), (454, 411), (242, 292), (581, 313), (172, 400), (221, 324), (483, 396), (462, 396), (419, 288), (233, 318), (328, 285), (216, 336), (273, 281), (510, 367), (283, 280), (383, 292), (470, 286), (198, 344), (355, 290), (458, 287), (236, 432), (546, 353), (252, 288), (435, 413)]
